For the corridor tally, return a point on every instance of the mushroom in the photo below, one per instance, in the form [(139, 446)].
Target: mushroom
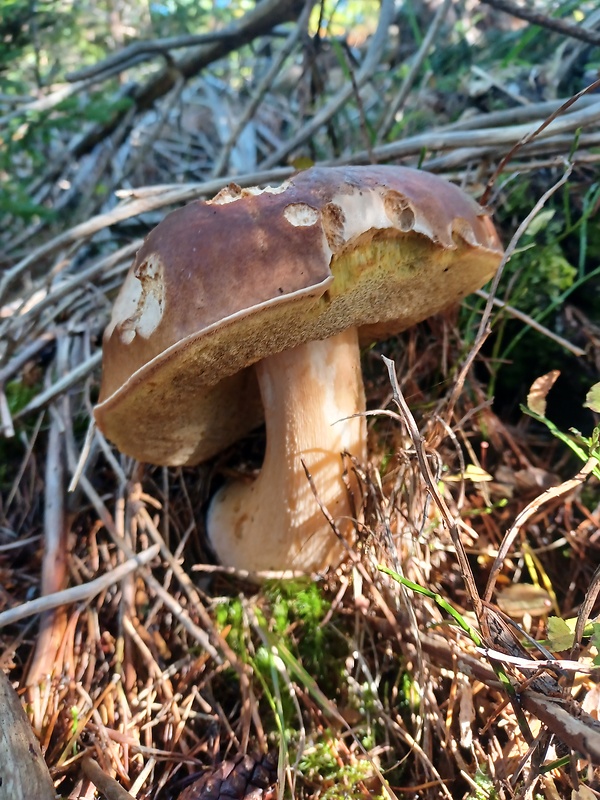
[(252, 306)]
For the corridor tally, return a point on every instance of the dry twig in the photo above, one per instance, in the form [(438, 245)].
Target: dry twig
[(545, 21), (78, 594)]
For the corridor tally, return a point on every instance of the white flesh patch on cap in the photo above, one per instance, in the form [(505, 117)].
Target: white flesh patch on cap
[(233, 192), (381, 208), (301, 215), (139, 307)]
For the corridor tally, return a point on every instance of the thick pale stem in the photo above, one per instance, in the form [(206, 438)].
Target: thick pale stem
[(274, 522)]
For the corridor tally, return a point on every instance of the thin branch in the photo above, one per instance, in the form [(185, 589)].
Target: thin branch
[(142, 51), (520, 114), (386, 16), (104, 783), (585, 610), (178, 194), (484, 328), (50, 101), (61, 385), (78, 594), (479, 155), (71, 283), (258, 21), (417, 63), (263, 87), (173, 194), (527, 513), (532, 323), (549, 122), (444, 139), (53, 623), (26, 353), (565, 718), (446, 514), (544, 21)]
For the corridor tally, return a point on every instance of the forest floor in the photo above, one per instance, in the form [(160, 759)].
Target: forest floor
[(467, 667)]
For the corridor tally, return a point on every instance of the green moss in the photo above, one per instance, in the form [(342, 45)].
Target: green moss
[(321, 764)]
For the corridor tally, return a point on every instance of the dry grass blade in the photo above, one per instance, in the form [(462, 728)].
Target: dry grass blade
[(417, 440)]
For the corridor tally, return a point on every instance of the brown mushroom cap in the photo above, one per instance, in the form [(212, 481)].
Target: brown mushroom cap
[(220, 285)]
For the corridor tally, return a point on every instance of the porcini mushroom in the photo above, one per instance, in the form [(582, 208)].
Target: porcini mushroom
[(251, 305)]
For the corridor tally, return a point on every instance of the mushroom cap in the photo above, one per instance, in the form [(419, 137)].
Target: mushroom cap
[(221, 284)]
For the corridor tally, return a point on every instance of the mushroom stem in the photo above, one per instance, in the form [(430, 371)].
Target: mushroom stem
[(309, 395)]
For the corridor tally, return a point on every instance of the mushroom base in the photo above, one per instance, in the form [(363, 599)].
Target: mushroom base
[(310, 394)]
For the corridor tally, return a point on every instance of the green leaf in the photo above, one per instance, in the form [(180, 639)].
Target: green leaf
[(541, 221), (592, 398), (560, 634), (595, 640), (576, 443)]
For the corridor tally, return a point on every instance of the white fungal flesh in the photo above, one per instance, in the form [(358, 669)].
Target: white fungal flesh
[(310, 395)]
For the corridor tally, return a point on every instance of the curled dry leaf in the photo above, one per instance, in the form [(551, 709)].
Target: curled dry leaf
[(23, 771), (536, 399)]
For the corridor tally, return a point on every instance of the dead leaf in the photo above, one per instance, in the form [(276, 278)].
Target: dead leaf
[(583, 793), (519, 599), (536, 399)]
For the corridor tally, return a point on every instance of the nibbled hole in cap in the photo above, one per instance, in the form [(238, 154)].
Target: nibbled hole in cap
[(148, 294), (460, 227), (399, 211), (300, 215)]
